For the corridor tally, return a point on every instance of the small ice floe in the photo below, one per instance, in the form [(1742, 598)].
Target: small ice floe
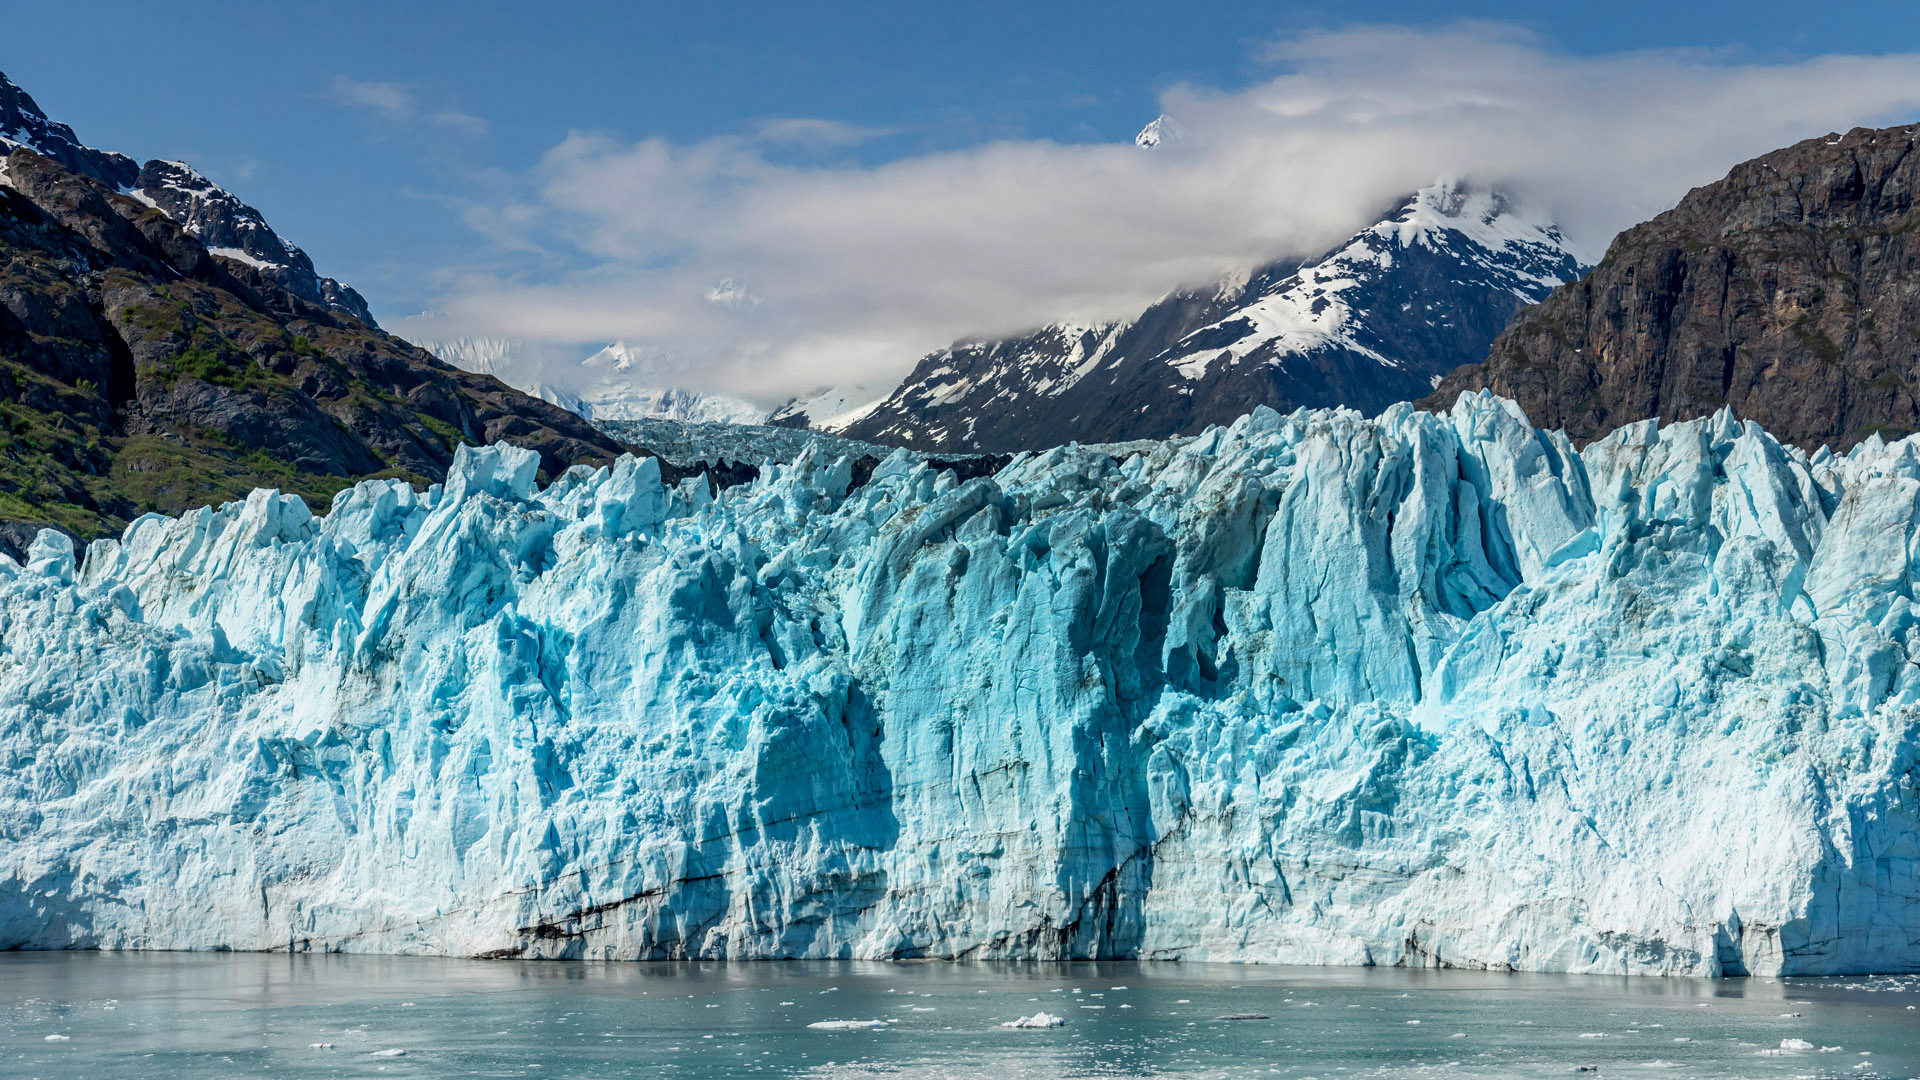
[(1593, 1034), (920, 1008), (396, 1052), (1788, 1016), (1795, 1044), (1250, 1016), (1116, 988), (1037, 1020), (848, 1025), (1831, 1049), (58, 1038), (1661, 1063), (1413, 1021), (1458, 1035)]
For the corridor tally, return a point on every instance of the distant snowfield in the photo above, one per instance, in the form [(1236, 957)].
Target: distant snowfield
[(1424, 690), (618, 382)]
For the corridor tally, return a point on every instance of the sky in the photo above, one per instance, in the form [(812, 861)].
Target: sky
[(780, 196)]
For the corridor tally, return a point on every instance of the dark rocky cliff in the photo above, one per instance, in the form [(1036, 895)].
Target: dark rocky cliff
[(1789, 291)]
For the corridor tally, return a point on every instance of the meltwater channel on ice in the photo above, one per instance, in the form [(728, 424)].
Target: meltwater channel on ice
[(1417, 690)]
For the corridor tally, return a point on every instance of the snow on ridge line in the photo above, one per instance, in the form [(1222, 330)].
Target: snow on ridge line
[(1313, 688), (1310, 311)]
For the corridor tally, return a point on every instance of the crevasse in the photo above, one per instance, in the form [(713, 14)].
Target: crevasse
[(1424, 689)]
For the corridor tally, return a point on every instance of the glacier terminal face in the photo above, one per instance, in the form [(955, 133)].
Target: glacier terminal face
[(1418, 690)]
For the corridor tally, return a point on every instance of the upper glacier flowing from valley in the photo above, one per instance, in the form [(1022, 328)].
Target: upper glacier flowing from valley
[(1421, 689)]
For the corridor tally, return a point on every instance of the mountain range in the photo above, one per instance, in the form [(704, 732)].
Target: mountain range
[(617, 382), (1378, 319), (161, 348)]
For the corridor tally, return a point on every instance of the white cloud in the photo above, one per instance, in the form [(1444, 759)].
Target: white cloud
[(397, 104), (814, 131), (857, 270), (382, 97)]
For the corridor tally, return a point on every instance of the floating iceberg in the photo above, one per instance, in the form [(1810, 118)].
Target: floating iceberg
[(1037, 1020), (1419, 690)]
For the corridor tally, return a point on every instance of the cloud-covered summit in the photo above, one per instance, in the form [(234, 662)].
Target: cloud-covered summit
[(857, 267)]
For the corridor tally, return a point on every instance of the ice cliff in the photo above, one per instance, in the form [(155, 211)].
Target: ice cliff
[(1424, 689)]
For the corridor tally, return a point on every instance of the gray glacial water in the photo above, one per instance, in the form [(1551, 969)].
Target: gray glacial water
[(72, 1015)]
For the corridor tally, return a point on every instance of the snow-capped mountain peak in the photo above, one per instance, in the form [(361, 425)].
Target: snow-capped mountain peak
[(1373, 321), (1163, 129), (1328, 303), (620, 381)]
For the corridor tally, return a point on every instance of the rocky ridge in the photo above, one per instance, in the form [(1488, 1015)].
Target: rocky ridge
[(1789, 292), (231, 229)]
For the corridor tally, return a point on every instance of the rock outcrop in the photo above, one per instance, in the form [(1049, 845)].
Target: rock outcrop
[(1788, 292), (233, 230)]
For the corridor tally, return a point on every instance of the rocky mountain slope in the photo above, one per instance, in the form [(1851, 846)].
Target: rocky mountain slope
[(1375, 321), (1422, 690), (234, 230), (229, 227), (1788, 291), (22, 123), (139, 372)]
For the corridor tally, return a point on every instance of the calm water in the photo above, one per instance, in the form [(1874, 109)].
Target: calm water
[(173, 1015)]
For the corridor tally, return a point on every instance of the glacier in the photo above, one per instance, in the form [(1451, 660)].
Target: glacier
[(1425, 689)]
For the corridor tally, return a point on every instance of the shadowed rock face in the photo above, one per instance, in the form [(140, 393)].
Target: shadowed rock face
[(138, 372), (1789, 292)]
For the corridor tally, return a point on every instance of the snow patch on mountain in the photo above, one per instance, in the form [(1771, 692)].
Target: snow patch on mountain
[(832, 409), (213, 214)]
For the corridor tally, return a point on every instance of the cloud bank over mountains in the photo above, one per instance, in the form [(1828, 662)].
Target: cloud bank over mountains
[(768, 263)]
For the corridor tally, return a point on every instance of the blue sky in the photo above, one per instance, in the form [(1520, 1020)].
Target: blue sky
[(403, 145)]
